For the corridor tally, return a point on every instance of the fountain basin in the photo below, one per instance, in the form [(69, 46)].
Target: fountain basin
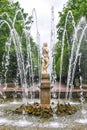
[(13, 121)]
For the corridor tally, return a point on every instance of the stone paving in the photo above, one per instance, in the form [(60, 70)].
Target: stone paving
[(54, 88)]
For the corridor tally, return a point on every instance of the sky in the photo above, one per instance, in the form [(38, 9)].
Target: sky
[(43, 11)]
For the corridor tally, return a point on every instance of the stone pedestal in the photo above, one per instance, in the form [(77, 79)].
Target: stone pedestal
[(45, 90)]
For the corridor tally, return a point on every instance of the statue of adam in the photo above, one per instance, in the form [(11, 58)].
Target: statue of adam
[(45, 58)]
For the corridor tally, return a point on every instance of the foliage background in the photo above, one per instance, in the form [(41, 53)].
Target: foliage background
[(10, 9), (79, 9)]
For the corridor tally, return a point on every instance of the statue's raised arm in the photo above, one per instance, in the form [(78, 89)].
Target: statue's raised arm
[(45, 58)]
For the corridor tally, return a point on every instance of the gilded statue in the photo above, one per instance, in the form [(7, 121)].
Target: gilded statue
[(45, 58)]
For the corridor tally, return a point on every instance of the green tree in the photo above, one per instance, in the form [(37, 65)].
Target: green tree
[(10, 9), (78, 9)]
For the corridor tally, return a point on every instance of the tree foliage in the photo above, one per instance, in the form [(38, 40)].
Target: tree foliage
[(11, 9), (78, 9)]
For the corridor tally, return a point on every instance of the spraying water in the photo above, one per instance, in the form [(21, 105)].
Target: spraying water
[(78, 36), (62, 49), (75, 53), (16, 39)]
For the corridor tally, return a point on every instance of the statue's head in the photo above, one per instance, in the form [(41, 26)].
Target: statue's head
[(45, 44)]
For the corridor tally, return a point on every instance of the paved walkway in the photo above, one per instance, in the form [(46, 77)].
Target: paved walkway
[(62, 88), (54, 88)]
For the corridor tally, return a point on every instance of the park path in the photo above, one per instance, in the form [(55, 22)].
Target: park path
[(54, 88), (63, 88)]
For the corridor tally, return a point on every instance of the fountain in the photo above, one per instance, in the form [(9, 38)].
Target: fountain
[(43, 113)]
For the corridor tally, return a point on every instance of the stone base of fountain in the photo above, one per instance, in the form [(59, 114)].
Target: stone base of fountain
[(35, 109), (46, 111), (65, 109), (45, 95)]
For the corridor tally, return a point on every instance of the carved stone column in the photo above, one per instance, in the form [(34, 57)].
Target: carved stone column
[(45, 90)]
